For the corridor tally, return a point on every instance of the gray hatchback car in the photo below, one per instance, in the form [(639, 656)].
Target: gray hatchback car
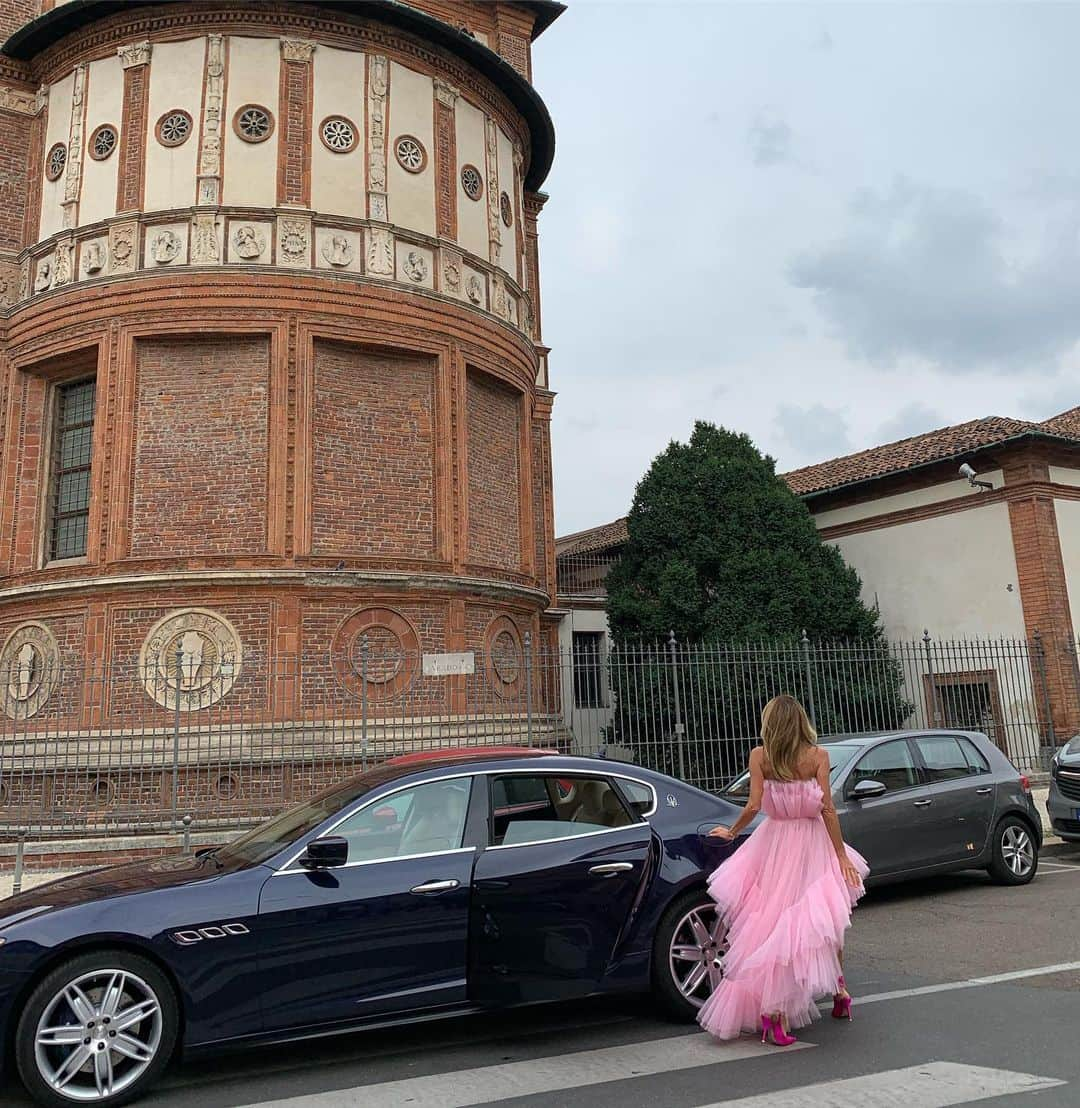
[(1063, 801), (917, 803)]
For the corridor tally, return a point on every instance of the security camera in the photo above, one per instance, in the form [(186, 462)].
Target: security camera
[(972, 479)]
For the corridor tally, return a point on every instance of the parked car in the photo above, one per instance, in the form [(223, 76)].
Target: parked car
[(917, 803), (428, 886), (1063, 801)]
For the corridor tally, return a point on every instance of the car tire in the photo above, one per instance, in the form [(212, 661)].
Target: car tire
[(1015, 852), (680, 981), (114, 1010)]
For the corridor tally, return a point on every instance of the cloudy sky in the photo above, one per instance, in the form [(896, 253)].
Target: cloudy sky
[(828, 226)]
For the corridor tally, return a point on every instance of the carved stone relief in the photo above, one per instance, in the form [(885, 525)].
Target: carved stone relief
[(122, 240), (494, 230), (415, 267), (474, 289), (338, 250), (210, 153), (378, 71), (164, 246), (63, 265), (94, 256), (73, 175), (18, 100), (43, 279), (380, 252), (248, 242), (135, 53), (206, 239), (29, 670), (451, 273), (190, 659), (297, 49), (9, 284), (294, 241)]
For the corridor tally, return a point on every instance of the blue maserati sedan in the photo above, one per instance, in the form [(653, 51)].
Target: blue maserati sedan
[(432, 885)]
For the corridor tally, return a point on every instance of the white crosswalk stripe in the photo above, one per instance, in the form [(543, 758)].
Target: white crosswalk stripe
[(934, 1085), (490, 1084)]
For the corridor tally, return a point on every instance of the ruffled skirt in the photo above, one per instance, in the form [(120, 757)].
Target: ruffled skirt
[(787, 907)]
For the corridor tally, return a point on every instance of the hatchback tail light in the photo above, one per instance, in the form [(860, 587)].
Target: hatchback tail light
[(1025, 784)]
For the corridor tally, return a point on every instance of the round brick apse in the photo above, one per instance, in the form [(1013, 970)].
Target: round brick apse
[(272, 379)]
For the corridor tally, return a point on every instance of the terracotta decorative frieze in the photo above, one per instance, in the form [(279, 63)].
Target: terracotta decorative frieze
[(18, 100), (494, 231), (73, 177), (206, 239), (123, 247), (209, 191), (297, 49), (378, 87)]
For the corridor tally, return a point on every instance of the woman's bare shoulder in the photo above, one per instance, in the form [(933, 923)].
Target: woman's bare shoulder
[(757, 756)]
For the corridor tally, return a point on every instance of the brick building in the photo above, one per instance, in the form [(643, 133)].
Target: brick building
[(997, 560), (272, 381)]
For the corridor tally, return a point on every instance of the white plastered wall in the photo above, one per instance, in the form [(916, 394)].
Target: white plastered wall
[(176, 80), (917, 498), (56, 130), (337, 180), (250, 169), (1061, 475), (1068, 523), (954, 574), (586, 723), (411, 196), (471, 214), (104, 104)]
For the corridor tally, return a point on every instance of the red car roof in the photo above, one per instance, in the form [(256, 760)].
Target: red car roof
[(466, 753)]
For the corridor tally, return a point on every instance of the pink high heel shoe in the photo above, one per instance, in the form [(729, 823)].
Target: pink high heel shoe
[(774, 1027), (841, 1005)]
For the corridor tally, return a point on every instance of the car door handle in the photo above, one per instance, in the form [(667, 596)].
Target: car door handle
[(434, 887), (986, 790), (611, 869), (923, 803)]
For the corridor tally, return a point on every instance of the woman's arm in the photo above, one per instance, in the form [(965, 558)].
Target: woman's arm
[(832, 821), (753, 804)]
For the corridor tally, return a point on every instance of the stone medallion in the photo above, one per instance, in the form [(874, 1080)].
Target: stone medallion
[(505, 657), (30, 670), (392, 657), (190, 659)]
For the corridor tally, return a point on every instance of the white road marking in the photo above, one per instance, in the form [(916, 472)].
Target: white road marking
[(934, 1085), (489, 1084), (970, 983)]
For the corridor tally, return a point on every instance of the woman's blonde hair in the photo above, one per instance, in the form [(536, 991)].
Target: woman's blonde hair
[(785, 729)]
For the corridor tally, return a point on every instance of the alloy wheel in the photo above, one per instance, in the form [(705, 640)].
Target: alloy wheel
[(698, 946), (1017, 851), (98, 1035)]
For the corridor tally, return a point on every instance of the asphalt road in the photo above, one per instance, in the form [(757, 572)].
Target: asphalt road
[(955, 1040)]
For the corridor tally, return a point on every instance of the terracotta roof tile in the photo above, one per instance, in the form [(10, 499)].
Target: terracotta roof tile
[(878, 461), (933, 446)]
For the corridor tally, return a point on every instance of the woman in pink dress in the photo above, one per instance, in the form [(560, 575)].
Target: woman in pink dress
[(787, 892)]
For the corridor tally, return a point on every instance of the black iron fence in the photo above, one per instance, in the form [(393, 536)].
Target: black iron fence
[(102, 749)]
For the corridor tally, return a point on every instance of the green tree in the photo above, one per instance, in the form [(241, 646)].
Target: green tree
[(723, 554)]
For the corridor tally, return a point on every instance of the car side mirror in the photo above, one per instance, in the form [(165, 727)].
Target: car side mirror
[(868, 789), (325, 853)]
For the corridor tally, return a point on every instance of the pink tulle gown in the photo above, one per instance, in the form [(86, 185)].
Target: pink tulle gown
[(787, 907)]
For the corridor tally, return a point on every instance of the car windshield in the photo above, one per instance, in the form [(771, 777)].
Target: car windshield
[(267, 839), (839, 756)]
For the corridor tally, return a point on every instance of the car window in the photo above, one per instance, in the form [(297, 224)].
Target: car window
[(975, 757), (536, 808), (890, 763), (839, 756), (642, 798), (425, 819), (943, 758)]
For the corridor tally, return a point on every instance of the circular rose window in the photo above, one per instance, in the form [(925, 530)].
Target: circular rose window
[(102, 142), (253, 123), (55, 162), (506, 209), (472, 182), (338, 134), (174, 128), (410, 154)]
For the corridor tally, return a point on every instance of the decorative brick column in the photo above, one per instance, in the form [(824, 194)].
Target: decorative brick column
[(135, 59), (294, 157), (1043, 589), (445, 159), (534, 203)]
